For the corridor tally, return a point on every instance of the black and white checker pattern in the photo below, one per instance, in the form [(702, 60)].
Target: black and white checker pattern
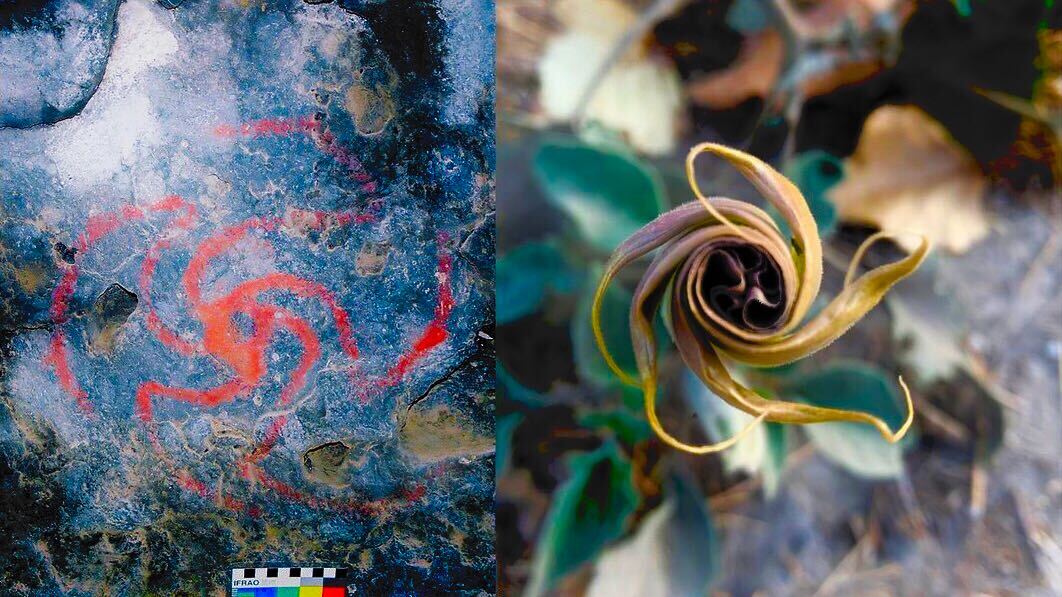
[(296, 576), (294, 572)]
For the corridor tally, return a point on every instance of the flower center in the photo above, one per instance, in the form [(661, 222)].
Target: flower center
[(743, 285)]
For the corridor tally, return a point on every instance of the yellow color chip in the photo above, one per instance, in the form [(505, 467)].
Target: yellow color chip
[(311, 591)]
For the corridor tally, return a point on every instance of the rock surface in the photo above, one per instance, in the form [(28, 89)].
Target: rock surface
[(246, 296)]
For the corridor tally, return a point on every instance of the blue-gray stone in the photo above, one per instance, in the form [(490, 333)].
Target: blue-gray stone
[(52, 57), (354, 144)]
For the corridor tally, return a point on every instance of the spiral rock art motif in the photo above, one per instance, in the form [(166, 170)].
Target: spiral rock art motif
[(241, 355), (245, 309)]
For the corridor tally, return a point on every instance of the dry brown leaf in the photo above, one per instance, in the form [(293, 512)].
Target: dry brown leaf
[(758, 66), (756, 70), (908, 174), (752, 74)]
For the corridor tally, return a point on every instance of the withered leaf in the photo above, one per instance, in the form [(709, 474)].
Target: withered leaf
[(907, 173)]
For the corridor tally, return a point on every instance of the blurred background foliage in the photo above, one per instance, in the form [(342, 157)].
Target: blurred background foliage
[(937, 116)]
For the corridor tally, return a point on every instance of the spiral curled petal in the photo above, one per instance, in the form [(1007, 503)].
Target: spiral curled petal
[(734, 287)]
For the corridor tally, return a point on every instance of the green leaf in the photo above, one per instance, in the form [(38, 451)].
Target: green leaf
[(633, 399), (503, 445), (779, 371), (930, 338), (814, 173), (603, 137), (514, 390), (606, 193), (774, 461), (627, 427), (674, 552), (748, 16), (589, 511), (854, 386), (676, 187), (523, 277), (615, 324), (693, 549), (721, 421)]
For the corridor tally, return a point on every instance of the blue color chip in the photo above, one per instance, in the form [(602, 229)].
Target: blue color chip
[(256, 592)]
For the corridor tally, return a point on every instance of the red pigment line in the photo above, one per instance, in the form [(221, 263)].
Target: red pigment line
[(267, 444), (373, 507), (186, 481), (311, 352), (328, 143), (220, 338), (435, 333), (266, 127), (248, 292), (216, 315), (214, 246), (58, 359), (312, 127), (321, 220), (412, 495), (154, 323), (221, 393), (62, 293), (311, 347), (147, 273), (96, 228), (246, 356), (101, 225), (225, 392)]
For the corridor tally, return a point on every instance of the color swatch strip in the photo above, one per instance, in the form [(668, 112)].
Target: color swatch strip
[(290, 582), (292, 592)]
